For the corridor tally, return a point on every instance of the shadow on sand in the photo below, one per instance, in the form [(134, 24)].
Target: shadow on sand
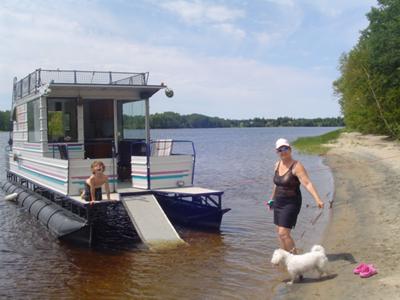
[(342, 256)]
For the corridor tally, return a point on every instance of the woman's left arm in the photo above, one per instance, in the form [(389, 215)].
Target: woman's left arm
[(301, 173)]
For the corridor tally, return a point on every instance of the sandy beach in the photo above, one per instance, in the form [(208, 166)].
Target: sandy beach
[(364, 224)]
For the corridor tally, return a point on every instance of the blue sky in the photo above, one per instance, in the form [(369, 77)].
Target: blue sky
[(233, 59)]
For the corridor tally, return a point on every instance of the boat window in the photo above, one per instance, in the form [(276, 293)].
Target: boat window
[(33, 121), (62, 120), (133, 119)]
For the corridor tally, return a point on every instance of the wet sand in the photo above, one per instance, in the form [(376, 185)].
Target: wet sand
[(364, 224)]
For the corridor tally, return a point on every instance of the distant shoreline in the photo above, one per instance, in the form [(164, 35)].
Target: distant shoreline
[(232, 127), (247, 127), (172, 120)]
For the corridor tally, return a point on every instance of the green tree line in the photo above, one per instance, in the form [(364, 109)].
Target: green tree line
[(5, 120), (369, 85), (175, 120)]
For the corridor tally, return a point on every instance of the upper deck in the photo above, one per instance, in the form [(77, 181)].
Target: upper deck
[(73, 82)]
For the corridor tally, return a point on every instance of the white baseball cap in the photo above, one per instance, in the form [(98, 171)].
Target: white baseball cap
[(281, 142)]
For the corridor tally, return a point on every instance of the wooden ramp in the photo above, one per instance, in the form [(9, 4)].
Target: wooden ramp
[(150, 221)]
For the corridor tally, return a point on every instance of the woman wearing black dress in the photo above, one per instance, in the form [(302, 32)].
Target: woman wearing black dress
[(286, 195)]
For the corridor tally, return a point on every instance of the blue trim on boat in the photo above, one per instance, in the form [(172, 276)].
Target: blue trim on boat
[(69, 148), (29, 150), (58, 181), (159, 177), (83, 182)]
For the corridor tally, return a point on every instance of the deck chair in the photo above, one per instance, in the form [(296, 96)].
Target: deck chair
[(63, 150), (161, 148)]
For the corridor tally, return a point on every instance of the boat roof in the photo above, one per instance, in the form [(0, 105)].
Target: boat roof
[(85, 84), (87, 91)]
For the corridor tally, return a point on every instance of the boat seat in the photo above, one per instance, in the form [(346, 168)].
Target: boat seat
[(161, 147), (63, 150)]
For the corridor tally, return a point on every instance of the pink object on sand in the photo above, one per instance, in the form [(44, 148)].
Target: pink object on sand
[(368, 271), (361, 267)]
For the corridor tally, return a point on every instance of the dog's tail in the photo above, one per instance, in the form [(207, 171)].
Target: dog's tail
[(318, 248)]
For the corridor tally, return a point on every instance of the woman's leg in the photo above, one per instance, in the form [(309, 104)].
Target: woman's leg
[(281, 244), (286, 240)]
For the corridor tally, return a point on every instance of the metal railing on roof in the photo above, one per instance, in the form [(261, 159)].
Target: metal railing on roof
[(32, 82)]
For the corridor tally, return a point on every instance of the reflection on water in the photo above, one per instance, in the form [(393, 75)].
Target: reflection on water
[(231, 264)]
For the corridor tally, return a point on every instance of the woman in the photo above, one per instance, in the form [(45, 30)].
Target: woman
[(286, 195)]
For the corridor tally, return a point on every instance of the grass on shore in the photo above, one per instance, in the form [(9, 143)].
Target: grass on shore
[(315, 144)]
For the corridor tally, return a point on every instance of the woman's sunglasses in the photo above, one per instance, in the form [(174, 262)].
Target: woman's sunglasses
[(283, 149)]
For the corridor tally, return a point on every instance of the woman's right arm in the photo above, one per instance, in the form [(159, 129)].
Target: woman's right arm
[(274, 186), (273, 192)]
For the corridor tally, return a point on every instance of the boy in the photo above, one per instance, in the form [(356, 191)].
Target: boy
[(94, 183)]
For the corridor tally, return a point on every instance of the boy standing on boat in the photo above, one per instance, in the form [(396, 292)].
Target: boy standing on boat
[(94, 183)]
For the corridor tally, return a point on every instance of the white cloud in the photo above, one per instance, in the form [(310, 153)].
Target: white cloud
[(231, 30), (196, 11), (338, 7), (206, 14), (263, 38), (219, 13), (278, 22), (289, 3), (288, 21), (189, 12), (326, 7)]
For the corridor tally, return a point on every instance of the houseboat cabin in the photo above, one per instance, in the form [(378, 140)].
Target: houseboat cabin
[(64, 120)]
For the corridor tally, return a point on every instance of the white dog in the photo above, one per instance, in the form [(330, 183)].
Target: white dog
[(299, 264)]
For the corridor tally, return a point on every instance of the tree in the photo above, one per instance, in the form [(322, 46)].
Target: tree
[(5, 120), (369, 85)]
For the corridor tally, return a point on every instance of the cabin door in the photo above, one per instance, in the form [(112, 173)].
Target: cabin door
[(131, 135), (99, 128)]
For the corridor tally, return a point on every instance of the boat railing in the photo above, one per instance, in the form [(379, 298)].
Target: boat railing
[(33, 81), (152, 144), (61, 150), (193, 153), (63, 153)]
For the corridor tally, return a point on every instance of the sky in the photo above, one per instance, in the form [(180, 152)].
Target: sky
[(233, 59)]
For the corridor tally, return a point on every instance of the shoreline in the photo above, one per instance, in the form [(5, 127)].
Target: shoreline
[(363, 225), (316, 145)]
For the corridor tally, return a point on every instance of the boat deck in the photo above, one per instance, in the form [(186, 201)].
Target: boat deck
[(114, 197), (183, 191), (189, 191)]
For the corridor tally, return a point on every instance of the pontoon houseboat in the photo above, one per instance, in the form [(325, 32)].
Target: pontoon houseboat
[(64, 120)]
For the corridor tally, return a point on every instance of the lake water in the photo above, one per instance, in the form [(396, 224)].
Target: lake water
[(231, 264)]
